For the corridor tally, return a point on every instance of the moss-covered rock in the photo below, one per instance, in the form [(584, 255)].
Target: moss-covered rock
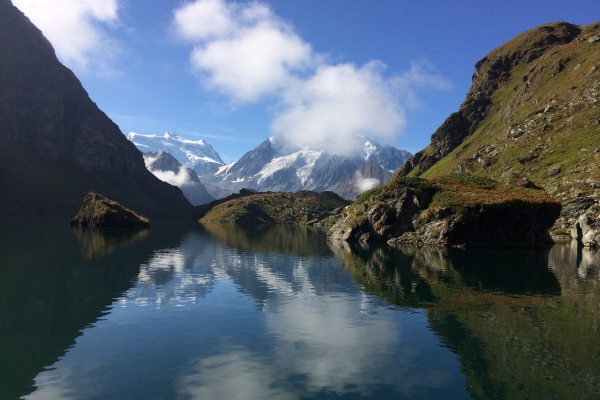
[(455, 210), (299, 208), (97, 210)]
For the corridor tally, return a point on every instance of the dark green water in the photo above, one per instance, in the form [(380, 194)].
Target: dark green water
[(185, 311)]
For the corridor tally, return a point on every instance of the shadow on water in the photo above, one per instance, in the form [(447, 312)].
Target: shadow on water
[(54, 282), (524, 323)]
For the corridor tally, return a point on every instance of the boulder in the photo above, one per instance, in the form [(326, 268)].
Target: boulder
[(587, 230), (97, 210)]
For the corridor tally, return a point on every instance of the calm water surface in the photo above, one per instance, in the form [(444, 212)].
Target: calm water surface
[(189, 311)]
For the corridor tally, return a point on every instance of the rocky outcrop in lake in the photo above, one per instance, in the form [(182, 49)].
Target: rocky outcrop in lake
[(97, 210), (456, 210)]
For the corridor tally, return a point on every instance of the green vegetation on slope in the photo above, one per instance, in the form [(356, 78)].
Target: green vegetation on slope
[(532, 112), (301, 208), (97, 210)]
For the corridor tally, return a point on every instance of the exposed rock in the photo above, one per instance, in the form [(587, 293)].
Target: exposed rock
[(166, 167), (299, 208), (97, 210), (57, 145), (566, 226), (455, 210), (587, 230)]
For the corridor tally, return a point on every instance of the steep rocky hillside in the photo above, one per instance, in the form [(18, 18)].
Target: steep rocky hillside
[(532, 112), (56, 144)]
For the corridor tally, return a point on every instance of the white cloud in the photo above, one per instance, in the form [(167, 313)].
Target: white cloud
[(246, 52), (421, 75), (363, 184), (177, 179), (76, 29), (336, 103), (243, 51)]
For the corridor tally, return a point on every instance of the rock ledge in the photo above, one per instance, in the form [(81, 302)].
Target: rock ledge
[(456, 210)]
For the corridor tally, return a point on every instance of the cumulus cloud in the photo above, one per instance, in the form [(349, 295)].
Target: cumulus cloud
[(247, 52), (337, 103), (244, 51), (363, 184), (76, 29)]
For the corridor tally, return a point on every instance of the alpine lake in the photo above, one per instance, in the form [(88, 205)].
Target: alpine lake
[(219, 311)]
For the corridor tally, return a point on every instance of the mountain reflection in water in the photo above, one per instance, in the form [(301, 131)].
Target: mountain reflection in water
[(524, 322), (195, 311)]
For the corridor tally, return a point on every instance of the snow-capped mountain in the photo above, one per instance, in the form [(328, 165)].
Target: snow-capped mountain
[(166, 168), (197, 155), (277, 166)]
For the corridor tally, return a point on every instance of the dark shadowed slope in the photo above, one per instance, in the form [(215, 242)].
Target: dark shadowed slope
[(56, 144)]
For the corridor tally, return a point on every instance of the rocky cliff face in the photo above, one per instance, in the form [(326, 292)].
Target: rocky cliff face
[(57, 145), (530, 113), (491, 73)]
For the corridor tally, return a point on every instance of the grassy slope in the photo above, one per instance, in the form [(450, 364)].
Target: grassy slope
[(546, 111)]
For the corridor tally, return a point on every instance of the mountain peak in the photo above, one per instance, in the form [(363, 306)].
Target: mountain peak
[(278, 165), (194, 154)]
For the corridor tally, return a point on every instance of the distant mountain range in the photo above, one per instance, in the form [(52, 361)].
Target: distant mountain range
[(197, 155), (279, 166)]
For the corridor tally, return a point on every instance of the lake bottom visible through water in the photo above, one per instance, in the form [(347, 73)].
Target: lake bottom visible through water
[(222, 311)]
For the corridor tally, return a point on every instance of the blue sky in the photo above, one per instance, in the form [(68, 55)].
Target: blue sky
[(233, 73)]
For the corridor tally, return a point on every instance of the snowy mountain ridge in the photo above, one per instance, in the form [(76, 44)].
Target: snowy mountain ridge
[(279, 166), (194, 154)]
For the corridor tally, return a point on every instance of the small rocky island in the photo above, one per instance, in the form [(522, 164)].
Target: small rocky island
[(97, 210), (298, 208), (454, 210)]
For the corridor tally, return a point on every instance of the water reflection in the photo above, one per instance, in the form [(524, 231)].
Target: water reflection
[(99, 241), (50, 291), (227, 322), (241, 312), (521, 329), (270, 238)]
